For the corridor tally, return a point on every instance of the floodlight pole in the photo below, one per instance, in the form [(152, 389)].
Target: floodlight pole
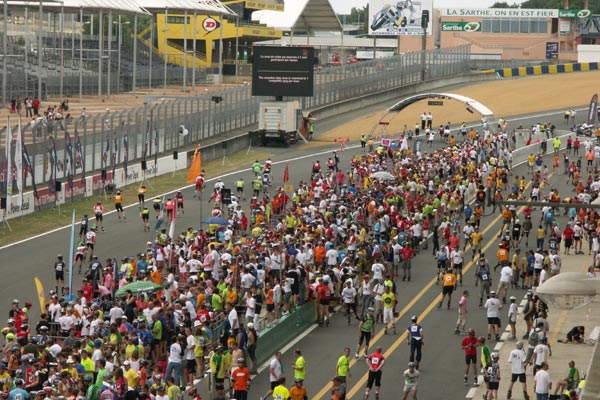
[(5, 57), (221, 50), (109, 63), (237, 43), (135, 33), (194, 59), (39, 50), (62, 49), (185, 32), (100, 50), (81, 51), (166, 30)]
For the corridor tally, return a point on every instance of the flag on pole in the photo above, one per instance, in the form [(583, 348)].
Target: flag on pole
[(41, 294), (195, 167), (9, 170), (342, 146), (71, 252), (52, 157), (286, 174), (125, 150), (79, 157), (19, 162), (172, 223), (29, 169), (70, 166)]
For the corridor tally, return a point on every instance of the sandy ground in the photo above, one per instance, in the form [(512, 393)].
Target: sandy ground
[(504, 97)]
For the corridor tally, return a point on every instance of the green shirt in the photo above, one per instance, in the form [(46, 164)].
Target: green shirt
[(173, 392), (343, 365), (157, 330), (485, 356), (93, 392), (300, 370), (367, 323)]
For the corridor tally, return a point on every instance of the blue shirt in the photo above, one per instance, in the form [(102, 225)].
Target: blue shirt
[(18, 394)]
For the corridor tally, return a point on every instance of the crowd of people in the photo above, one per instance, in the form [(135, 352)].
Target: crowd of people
[(345, 235)]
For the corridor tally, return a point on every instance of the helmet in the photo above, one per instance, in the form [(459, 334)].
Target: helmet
[(471, 332), (411, 364), (88, 378), (493, 293), (495, 356), (370, 309), (59, 256), (519, 345), (241, 360), (481, 339), (413, 318)]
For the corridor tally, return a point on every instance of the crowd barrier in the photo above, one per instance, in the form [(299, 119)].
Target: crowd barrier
[(545, 69)]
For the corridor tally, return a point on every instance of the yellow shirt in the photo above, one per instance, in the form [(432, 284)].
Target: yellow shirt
[(131, 375), (388, 299), (476, 238), (449, 280), (280, 393)]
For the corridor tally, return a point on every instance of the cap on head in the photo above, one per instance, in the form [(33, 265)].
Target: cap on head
[(519, 345)]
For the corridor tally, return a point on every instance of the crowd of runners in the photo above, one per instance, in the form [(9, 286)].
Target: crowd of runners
[(346, 236)]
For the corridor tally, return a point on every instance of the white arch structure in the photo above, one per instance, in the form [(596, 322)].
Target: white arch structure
[(471, 104)]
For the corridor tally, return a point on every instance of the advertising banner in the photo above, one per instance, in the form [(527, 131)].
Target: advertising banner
[(499, 12), (461, 26), (593, 110), (551, 50), (398, 18), (574, 13)]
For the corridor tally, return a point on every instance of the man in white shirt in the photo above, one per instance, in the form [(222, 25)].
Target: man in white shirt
[(115, 313), (174, 361), (543, 382), (541, 353), (518, 361), (378, 270), (250, 308), (506, 274), (234, 321), (493, 307)]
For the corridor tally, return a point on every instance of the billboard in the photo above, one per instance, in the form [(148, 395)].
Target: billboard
[(461, 26), (551, 50), (283, 71), (398, 18), (499, 12)]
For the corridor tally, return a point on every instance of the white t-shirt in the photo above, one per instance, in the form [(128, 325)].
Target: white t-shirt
[(378, 270), (349, 294), (275, 365), (250, 307), (189, 348), (493, 307), (516, 359), (506, 274), (542, 381), (541, 352), (331, 256), (513, 310), (175, 353)]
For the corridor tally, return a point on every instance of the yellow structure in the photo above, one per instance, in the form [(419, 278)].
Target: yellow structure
[(208, 34)]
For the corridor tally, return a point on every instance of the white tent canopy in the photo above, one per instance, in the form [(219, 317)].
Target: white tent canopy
[(198, 6), (70, 6), (301, 15)]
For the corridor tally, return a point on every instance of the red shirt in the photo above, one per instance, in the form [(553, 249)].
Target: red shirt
[(470, 350), (324, 292), (87, 292), (375, 360), (568, 233)]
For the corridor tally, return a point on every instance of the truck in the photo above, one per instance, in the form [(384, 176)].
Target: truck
[(279, 121)]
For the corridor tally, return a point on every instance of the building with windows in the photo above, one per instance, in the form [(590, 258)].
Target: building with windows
[(510, 33)]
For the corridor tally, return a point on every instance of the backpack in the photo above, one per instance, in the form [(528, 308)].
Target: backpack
[(534, 338)]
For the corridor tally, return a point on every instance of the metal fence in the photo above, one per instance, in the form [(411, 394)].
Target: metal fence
[(108, 139)]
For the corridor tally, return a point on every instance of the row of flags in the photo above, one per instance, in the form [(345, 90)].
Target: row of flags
[(19, 164), (17, 168)]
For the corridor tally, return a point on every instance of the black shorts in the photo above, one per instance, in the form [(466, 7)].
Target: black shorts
[(79, 257), (520, 377), (447, 289), (240, 190), (99, 217), (60, 275), (274, 384), (493, 385), (219, 383), (270, 307), (493, 321), (119, 207), (366, 336), (179, 205), (470, 359), (324, 302), (90, 245), (568, 243), (374, 377), (145, 217), (342, 379), (190, 365), (156, 206)]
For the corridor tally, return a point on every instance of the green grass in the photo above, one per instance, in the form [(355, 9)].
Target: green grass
[(48, 219)]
